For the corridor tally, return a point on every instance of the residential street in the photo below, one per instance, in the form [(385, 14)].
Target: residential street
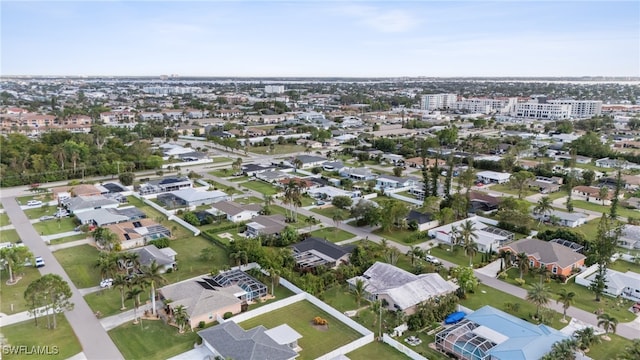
[(94, 340)]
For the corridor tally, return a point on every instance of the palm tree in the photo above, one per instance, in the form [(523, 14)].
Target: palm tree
[(358, 290), (543, 207), (293, 196), (415, 252), (523, 263), (455, 237), (337, 218), (586, 337), (471, 249), (566, 299), (564, 350), (539, 295), (274, 274), (107, 264), (134, 294), (152, 275), (297, 163), (240, 257), (120, 281), (180, 317), (237, 165), (608, 323), (311, 220), (14, 260)]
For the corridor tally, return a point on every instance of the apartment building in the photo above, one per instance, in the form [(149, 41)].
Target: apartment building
[(581, 108), (438, 101)]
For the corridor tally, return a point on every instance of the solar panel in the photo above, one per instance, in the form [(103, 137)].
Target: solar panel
[(205, 285)]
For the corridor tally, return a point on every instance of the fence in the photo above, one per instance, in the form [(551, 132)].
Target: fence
[(186, 163), (402, 348), (267, 308)]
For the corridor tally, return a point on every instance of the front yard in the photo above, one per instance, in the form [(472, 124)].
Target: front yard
[(261, 187), (55, 226), (10, 235), (151, 340), (4, 219), (505, 188), (315, 341), (26, 334), (457, 257), (79, 263), (332, 234), (596, 206), (12, 296), (329, 211)]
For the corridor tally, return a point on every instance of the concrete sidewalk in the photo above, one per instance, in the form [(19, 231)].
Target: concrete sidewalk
[(48, 238), (71, 244), (6, 320)]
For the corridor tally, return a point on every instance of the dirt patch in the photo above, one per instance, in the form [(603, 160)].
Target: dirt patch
[(320, 327)]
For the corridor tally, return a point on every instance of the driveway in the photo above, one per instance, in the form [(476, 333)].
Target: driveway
[(95, 342)]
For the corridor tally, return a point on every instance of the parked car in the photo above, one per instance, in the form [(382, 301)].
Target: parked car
[(61, 213), (34, 202), (46, 217), (432, 259), (106, 283), (320, 202), (39, 261)]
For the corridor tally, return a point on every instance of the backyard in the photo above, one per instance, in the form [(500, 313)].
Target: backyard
[(190, 263), (79, 263), (594, 206), (584, 299), (315, 341), (624, 266), (332, 234), (151, 340), (376, 350), (26, 334)]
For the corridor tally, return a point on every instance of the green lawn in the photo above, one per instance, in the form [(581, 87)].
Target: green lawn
[(593, 206), (222, 173), (557, 195), (9, 236), (330, 210), (47, 196), (36, 213), (230, 190), (485, 295), (4, 220), (107, 301), (277, 150), (332, 234), (341, 299), (402, 236), (261, 187), (152, 340), (14, 294), (608, 349), (275, 209), (376, 350), (68, 239), (457, 257), (624, 266), (505, 188), (189, 262), (314, 342), (55, 226), (221, 159), (26, 334), (249, 200), (79, 263), (584, 299)]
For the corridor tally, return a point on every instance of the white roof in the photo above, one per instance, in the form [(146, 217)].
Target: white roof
[(494, 175), (283, 334), (191, 194), (490, 334)]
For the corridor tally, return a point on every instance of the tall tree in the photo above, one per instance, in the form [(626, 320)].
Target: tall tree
[(523, 263), (539, 295), (14, 259), (180, 317), (134, 294), (467, 281), (613, 211), (153, 275), (608, 323), (565, 298), (543, 207), (359, 290), (603, 193), (520, 181), (120, 282), (53, 293), (468, 236)]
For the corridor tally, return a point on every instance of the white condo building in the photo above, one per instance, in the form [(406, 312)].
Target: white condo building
[(542, 111), (438, 101), (274, 89), (486, 105), (581, 109)]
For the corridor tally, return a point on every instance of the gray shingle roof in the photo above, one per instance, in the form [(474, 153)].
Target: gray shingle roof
[(546, 252)]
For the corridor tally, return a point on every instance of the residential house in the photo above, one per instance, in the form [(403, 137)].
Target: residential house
[(591, 194), (313, 252), (632, 202), (332, 165), (357, 174), (489, 333), (229, 341), (330, 192), (189, 197), (78, 204), (394, 159), (619, 284), (480, 201), (424, 221), (304, 184), (558, 259), (266, 225), (614, 163), (138, 233), (309, 161), (546, 185), (309, 143), (76, 190), (630, 237), (493, 177), (563, 218), (165, 258), (417, 162), (402, 290), (487, 237), (272, 176), (387, 182), (255, 169), (108, 216), (164, 185), (236, 212)]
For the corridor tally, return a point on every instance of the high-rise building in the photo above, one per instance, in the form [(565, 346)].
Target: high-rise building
[(274, 89), (438, 101), (581, 109)]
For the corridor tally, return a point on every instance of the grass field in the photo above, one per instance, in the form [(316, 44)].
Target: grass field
[(14, 294), (275, 209), (152, 340), (330, 211), (332, 234), (376, 350), (47, 196), (10, 235), (69, 239), (458, 256), (261, 187), (339, 297), (277, 150), (26, 334), (593, 206), (107, 301), (505, 188), (485, 295), (624, 266), (55, 226), (79, 263), (314, 342), (608, 349), (4, 219), (189, 262), (584, 299), (402, 236), (249, 200)]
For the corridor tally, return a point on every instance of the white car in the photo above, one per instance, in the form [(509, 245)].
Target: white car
[(106, 283), (432, 259), (39, 261), (46, 217), (34, 202)]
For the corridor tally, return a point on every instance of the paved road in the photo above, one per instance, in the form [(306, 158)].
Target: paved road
[(95, 341)]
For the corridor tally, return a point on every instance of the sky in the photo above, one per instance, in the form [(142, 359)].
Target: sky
[(320, 38)]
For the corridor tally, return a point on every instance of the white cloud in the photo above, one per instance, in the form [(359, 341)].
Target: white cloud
[(381, 20)]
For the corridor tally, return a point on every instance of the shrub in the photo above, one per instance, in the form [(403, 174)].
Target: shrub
[(201, 325), (520, 282), (160, 243), (503, 275), (227, 315), (320, 321)]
